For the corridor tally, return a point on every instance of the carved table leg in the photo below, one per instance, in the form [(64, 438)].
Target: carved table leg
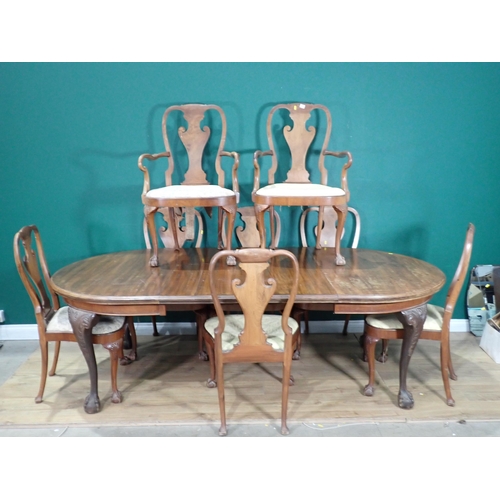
[(82, 323), (413, 322)]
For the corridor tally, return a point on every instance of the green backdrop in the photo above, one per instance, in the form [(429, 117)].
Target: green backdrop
[(425, 140)]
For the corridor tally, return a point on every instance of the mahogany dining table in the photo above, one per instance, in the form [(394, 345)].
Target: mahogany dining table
[(124, 283)]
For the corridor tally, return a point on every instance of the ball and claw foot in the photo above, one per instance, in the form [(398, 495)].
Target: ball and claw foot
[(117, 397), (203, 356), (405, 400), (382, 358), (450, 402), (369, 390), (339, 260), (92, 404), (38, 399), (211, 383), (128, 358), (284, 430), (153, 261), (223, 431), (296, 355)]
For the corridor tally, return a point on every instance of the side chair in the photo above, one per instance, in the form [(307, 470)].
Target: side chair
[(436, 326), (251, 336), (53, 320), (327, 238)]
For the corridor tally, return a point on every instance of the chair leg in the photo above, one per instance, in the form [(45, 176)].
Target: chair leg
[(201, 317), (383, 354), (346, 324), (445, 362), (115, 352), (285, 389), (133, 336), (451, 370), (370, 344), (155, 327), (150, 219), (211, 382), (222, 403), (306, 322), (44, 348), (57, 349)]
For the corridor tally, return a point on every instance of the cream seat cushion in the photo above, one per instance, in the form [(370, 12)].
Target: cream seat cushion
[(434, 320), (60, 323), (189, 192), (299, 189), (271, 324)]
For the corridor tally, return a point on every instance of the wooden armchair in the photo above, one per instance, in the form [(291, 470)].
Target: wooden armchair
[(251, 336), (297, 189), (195, 190), (436, 326), (53, 320)]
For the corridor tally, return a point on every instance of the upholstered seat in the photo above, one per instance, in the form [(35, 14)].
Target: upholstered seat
[(235, 324), (434, 320), (179, 193), (59, 323), (300, 190)]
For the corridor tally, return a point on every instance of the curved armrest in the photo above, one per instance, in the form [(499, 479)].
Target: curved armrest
[(234, 172), (256, 168), (343, 175), (147, 156)]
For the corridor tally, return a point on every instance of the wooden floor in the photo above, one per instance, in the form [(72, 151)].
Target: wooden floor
[(167, 386)]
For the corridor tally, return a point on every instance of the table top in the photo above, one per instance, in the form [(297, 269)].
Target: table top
[(124, 283)]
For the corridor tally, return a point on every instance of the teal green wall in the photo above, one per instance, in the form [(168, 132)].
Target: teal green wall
[(425, 139)]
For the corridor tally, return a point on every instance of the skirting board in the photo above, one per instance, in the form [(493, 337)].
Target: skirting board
[(29, 332)]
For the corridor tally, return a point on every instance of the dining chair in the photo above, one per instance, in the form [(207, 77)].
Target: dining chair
[(293, 152), (436, 326), (53, 320), (247, 234), (327, 238), (194, 177), (251, 336), (190, 230)]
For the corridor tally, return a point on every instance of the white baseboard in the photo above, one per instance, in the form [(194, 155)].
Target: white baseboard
[(29, 332)]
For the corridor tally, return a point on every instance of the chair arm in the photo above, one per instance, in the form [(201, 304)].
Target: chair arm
[(343, 175), (147, 156), (256, 168), (234, 172)]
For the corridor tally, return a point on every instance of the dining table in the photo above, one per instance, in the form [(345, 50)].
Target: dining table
[(123, 283)]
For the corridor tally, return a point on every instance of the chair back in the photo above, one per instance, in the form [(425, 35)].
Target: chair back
[(191, 122), (299, 128), (190, 228), (329, 229), (459, 278), (259, 280), (32, 267), (247, 233)]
